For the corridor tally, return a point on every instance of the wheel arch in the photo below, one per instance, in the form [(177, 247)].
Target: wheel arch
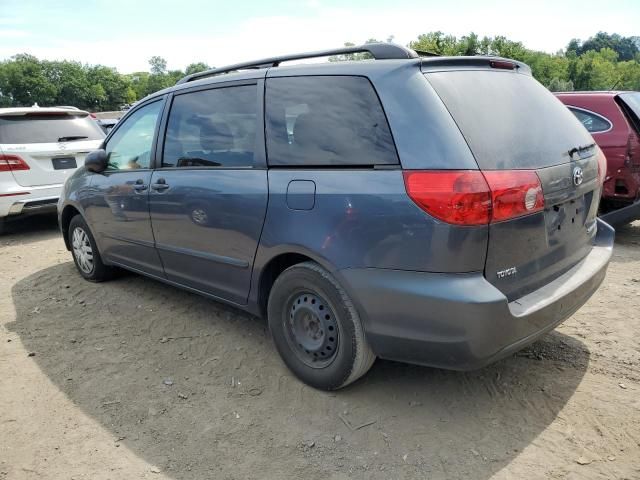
[(274, 265), (68, 212)]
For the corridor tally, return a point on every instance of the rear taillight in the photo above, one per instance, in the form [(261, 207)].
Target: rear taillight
[(454, 196), (472, 197), (10, 163), (514, 193)]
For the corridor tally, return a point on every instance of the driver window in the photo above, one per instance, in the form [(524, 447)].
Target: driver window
[(130, 146)]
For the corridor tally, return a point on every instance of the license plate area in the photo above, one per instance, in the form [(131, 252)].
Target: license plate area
[(566, 221), (63, 163)]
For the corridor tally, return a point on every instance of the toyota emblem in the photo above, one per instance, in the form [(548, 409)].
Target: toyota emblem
[(577, 176)]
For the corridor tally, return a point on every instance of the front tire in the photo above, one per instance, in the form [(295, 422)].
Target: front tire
[(85, 252), (316, 328)]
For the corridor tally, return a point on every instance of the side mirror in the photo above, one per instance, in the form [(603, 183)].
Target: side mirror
[(96, 161)]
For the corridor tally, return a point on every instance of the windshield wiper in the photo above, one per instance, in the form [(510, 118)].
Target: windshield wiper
[(71, 138), (581, 149)]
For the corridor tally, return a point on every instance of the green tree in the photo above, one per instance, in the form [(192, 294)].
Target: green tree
[(558, 85), (158, 65), (353, 56), (626, 47), (24, 82), (196, 68)]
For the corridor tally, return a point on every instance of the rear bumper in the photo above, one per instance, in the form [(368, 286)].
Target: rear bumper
[(31, 200), (461, 321)]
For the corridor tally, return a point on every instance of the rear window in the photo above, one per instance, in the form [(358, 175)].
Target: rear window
[(509, 120), (49, 128), (326, 121)]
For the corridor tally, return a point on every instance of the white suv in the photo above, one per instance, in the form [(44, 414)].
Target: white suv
[(39, 149)]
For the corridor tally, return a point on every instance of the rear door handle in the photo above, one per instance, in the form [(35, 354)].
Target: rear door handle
[(160, 185)]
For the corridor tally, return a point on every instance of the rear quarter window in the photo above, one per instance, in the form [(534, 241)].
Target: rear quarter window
[(48, 128), (326, 121), (593, 122)]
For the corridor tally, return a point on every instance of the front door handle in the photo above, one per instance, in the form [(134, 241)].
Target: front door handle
[(139, 186), (160, 185)]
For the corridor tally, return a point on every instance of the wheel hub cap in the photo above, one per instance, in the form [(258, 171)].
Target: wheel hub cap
[(82, 250)]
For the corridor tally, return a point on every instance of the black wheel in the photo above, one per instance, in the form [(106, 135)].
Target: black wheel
[(316, 328), (85, 252)]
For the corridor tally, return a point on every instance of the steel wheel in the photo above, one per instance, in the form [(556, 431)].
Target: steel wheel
[(311, 329), (82, 250)]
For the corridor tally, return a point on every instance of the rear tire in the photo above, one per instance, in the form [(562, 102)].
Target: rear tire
[(316, 328), (85, 252)]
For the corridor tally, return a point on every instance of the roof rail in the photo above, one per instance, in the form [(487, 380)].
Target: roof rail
[(379, 51)]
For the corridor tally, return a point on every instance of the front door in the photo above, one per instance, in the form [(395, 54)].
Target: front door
[(208, 198), (118, 208)]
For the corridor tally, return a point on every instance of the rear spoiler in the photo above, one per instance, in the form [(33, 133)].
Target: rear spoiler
[(473, 63), (44, 113)]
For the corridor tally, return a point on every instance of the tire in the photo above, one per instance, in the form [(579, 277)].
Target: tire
[(92, 269), (316, 328)]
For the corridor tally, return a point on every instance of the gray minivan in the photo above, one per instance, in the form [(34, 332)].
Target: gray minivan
[(432, 210)]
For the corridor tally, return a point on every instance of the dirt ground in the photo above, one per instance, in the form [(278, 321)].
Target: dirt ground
[(134, 379)]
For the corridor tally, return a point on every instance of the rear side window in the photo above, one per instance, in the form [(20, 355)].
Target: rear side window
[(593, 122), (326, 121), (48, 128), (212, 128), (509, 120)]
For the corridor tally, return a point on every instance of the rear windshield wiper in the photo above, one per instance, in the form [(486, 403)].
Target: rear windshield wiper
[(72, 137), (580, 150)]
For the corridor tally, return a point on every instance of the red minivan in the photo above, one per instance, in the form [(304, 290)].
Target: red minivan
[(613, 118)]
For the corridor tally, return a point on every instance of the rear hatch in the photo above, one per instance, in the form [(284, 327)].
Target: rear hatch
[(44, 148), (512, 123), (629, 102)]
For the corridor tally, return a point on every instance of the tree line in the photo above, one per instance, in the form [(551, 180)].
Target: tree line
[(602, 62), (25, 80)]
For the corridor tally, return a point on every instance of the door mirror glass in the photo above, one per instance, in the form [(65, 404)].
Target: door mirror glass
[(96, 161)]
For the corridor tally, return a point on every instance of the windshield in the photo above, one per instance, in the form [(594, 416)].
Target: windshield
[(50, 128)]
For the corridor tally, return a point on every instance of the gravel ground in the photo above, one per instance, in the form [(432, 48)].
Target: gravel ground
[(134, 379)]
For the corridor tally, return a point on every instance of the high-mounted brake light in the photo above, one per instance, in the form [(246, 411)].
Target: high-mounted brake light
[(472, 197), (503, 64), (10, 163)]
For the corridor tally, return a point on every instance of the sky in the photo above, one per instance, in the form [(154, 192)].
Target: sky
[(126, 33)]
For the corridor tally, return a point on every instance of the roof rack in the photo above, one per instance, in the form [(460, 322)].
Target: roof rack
[(379, 51)]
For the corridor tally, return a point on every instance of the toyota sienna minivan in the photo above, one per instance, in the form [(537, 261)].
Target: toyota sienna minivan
[(431, 210)]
